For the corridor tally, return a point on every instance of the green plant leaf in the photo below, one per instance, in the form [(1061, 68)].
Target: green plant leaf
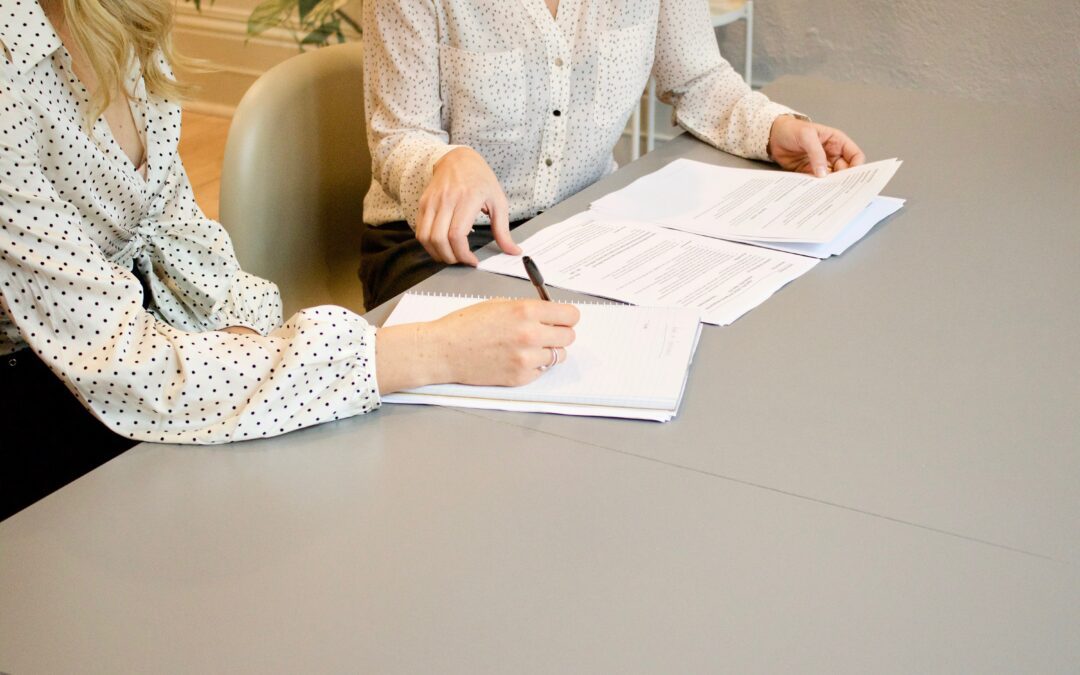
[(305, 6), (317, 20), (319, 13), (268, 14), (321, 35), (349, 21)]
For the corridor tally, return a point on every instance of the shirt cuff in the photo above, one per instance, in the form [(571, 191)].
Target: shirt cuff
[(366, 380)]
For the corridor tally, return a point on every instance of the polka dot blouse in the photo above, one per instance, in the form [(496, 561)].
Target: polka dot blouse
[(543, 99), (119, 283)]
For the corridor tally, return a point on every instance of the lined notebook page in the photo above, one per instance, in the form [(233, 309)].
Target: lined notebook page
[(623, 356)]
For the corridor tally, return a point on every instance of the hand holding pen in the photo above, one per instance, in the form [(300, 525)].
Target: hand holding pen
[(536, 278), (538, 282)]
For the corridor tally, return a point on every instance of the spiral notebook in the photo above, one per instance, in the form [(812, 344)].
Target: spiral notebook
[(626, 361)]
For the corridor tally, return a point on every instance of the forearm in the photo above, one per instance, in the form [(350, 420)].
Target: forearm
[(231, 385), (402, 98), (711, 100), (409, 356)]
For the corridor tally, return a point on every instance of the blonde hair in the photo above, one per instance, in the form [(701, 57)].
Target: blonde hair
[(112, 32)]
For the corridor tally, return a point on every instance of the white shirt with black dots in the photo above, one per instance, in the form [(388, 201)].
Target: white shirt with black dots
[(542, 99), (76, 217)]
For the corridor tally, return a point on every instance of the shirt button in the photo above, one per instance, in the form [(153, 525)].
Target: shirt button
[(549, 161), (556, 113), (558, 62)]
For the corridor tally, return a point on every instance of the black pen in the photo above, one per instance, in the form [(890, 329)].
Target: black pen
[(535, 277)]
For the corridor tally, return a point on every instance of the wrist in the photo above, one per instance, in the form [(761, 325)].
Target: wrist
[(776, 128), (408, 356), (778, 123), (456, 153), (432, 348)]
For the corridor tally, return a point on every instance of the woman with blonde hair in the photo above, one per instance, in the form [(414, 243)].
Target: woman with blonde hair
[(125, 315)]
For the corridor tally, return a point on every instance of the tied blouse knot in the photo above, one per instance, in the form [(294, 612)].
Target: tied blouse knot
[(171, 255), (116, 280)]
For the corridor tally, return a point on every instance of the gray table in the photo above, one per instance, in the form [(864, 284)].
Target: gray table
[(897, 492)]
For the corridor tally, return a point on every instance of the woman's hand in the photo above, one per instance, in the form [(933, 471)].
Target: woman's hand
[(462, 186), (497, 342), (798, 145)]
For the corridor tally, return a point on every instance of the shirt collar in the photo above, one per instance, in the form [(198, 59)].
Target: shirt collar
[(26, 33)]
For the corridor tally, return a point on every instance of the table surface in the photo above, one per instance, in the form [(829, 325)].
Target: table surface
[(876, 470)]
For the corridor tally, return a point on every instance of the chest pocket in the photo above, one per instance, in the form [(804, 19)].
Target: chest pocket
[(484, 94), (625, 59)]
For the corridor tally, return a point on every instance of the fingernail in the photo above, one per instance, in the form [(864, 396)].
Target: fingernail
[(820, 172)]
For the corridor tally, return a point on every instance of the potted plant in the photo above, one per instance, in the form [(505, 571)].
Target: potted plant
[(312, 22)]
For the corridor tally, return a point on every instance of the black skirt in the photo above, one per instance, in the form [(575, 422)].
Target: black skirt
[(50, 439), (393, 261)]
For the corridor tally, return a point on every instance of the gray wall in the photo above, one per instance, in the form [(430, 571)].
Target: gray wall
[(1027, 52)]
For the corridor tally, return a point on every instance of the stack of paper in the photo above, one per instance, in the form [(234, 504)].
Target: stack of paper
[(645, 264), (878, 210), (769, 208), (696, 235), (626, 361)]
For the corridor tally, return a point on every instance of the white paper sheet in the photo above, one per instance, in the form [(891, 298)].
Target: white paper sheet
[(749, 204), (648, 414), (878, 210), (627, 362), (645, 264)]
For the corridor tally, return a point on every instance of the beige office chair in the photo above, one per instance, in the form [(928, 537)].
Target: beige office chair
[(296, 170)]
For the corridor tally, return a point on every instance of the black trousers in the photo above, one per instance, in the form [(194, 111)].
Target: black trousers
[(393, 261), (49, 439)]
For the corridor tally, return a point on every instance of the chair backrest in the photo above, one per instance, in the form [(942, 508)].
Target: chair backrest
[(296, 169)]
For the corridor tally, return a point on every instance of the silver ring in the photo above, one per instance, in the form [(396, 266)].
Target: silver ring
[(554, 360)]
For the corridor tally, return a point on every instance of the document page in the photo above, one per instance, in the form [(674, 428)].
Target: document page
[(622, 358), (749, 204), (878, 210), (645, 264)]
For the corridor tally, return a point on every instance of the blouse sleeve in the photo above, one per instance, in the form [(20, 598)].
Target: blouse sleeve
[(401, 98), (711, 101), (249, 302), (83, 316)]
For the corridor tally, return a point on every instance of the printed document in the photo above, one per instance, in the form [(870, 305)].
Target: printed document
[(749, 204), (645, 264), (878, 210)]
